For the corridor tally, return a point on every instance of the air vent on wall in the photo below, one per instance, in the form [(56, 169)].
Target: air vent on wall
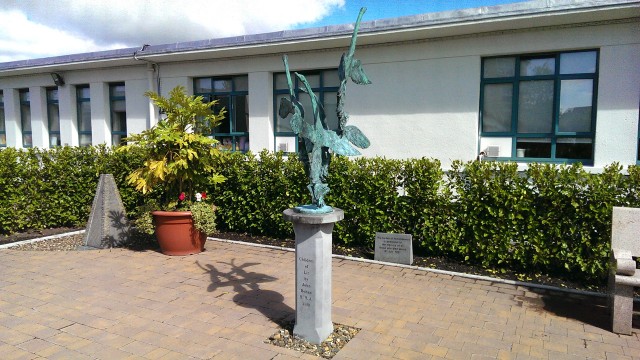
[(492, 151)]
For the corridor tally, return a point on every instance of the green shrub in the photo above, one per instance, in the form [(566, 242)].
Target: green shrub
[(258, 189), (367, 191), (425, 208), (52, 188), (47, 188), (554, 219), (491, 207)]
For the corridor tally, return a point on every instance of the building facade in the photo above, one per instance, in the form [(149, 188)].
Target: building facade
[(552, 81)]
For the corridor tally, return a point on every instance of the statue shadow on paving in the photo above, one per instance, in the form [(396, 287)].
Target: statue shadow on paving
[(590, 310), (246, 285)]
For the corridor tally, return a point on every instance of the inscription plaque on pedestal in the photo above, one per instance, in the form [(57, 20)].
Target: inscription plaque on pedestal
[(394, 248), (306, 269)]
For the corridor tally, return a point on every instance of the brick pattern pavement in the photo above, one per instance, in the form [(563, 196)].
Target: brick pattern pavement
[(224, 302)]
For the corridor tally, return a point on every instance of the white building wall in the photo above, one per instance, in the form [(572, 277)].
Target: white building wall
[(39, 118), (137, 105), (68, 115), (424, 100), (618, 101), (100, 113), (12, 117), (168, 83), (260, 111), (419, 108)]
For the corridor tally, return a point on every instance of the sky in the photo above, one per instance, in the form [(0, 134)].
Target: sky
[(42, 28)]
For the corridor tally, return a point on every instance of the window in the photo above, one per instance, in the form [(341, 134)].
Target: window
[(545, 104), (25, 118), (3, 129), (118, 113), (324, 83), (53, 113), (83, 100), (232, 94)]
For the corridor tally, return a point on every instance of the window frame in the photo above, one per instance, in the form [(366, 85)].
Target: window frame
[(320, 92), (80, 100), (555, 134), (3, 129), (112, 100), (638, 154), (23, 119), (50, 102), (230, 115)]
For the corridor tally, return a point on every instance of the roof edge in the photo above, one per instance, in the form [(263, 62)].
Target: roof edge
[(451, 17)]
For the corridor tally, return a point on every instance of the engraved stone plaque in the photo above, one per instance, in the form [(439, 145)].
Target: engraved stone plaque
[(394, 248)]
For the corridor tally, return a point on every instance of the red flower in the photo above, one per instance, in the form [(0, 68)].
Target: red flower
[(181, 197), (204, 195)]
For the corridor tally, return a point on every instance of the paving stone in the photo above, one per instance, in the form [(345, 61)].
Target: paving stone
[(119, 316)]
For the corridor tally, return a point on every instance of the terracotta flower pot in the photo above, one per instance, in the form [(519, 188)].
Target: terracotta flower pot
[(176, 233)]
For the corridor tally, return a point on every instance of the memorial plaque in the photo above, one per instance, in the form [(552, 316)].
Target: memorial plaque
[(306, 270), (394, 248), (108, 225)]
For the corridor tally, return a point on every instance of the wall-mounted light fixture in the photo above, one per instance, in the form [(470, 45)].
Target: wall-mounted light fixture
[(57, 79)]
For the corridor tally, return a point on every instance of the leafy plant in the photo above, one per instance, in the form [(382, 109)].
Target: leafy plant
[(179, 156), (178, 153), (204, 217)]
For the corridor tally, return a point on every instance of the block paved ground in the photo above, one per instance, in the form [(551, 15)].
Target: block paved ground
[(224, 302)]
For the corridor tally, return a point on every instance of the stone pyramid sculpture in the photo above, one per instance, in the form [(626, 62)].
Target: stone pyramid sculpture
[(108, 225)]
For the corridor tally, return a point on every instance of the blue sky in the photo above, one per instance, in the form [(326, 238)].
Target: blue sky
[(43, 28), (383, 9)]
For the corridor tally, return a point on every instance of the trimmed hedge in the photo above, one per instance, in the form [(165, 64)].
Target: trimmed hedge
[(554, 219), (257, 191), (52, 188)]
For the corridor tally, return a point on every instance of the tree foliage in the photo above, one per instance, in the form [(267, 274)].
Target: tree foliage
[(178, 154)]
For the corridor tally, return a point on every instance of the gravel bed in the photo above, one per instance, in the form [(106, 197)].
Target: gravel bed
[(66, 243), (327, 349)]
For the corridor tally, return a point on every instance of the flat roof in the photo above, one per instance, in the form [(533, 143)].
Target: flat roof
[(431, 25)]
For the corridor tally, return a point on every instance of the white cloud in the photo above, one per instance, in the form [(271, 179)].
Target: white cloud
[(33, 28), (22, 39)]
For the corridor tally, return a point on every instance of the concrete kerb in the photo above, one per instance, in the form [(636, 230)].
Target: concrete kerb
[(51, 237), (412, 267), (437, 271)]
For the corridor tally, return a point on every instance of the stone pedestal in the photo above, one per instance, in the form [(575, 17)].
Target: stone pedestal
[(313, 273), (621, 302)]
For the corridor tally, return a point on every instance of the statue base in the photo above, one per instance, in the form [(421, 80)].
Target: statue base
[(313, 273), (312, 209)]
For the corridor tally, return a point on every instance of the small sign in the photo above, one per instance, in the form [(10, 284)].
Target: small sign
[(394, 248)]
